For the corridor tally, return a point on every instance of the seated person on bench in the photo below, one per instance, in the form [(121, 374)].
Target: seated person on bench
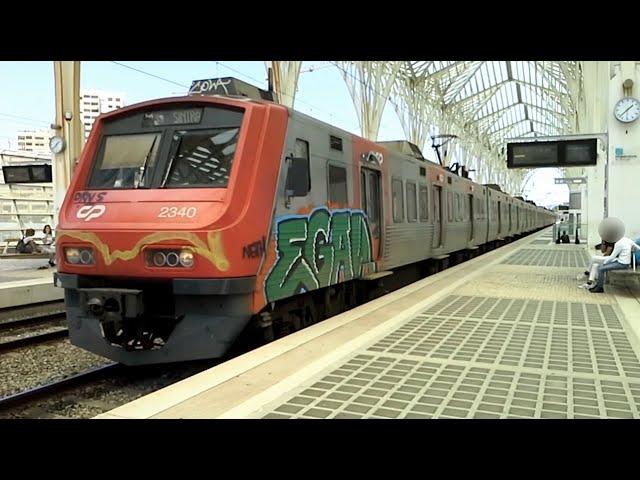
[(592, 270), (30, 246), (619, 259), (27, 244)]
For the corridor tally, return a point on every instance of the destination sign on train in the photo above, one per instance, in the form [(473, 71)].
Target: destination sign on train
[(187, 116), (552, 153)]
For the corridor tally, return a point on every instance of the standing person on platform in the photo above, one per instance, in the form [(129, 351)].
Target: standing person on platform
[(47, 245), (619, 259)]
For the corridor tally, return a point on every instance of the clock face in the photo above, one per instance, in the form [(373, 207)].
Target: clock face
[(56, 144), (627, 109)]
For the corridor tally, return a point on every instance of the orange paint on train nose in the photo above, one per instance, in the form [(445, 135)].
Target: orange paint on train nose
[(225, 227)]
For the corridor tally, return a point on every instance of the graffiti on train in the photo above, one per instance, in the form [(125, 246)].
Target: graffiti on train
[(318, 250)]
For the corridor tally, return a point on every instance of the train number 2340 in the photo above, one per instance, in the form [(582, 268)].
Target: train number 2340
[(172, 212)]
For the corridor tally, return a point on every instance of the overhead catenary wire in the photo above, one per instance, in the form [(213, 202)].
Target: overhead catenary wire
[(150, 74), (23, 118), (298, 97)]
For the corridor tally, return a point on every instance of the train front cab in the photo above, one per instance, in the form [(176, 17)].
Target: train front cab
[(163, 228)]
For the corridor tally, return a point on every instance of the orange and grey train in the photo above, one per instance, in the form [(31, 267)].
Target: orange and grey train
[(189, 219)]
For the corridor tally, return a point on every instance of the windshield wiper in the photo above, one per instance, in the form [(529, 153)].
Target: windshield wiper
[(173, 157), (143, 168)]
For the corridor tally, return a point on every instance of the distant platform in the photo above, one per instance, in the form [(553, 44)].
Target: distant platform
[(506, 335), (22, 283)]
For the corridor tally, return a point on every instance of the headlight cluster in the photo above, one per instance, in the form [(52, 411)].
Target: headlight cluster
[(79, 256), (168, 258)]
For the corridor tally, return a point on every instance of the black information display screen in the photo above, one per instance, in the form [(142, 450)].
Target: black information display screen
[(552, 154), (187, 116), (534, 155), (27, 174), (582, 152)]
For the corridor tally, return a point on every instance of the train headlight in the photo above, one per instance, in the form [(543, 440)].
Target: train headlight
[(72, 255), (186, 258), (79, 256), (159, 259), (168, 258), (86, 256)]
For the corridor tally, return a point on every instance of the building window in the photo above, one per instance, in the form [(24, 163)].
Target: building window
[(398, 200), (412, 213), (424, 204), (338, 185)]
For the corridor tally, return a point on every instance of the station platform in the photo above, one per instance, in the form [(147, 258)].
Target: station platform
[(22, 283), (506, 335)]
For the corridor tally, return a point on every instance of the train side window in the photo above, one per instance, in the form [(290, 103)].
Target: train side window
[(298, 180), (301, 149), (412, 208), (466, 209), (363, 190), (398, 201), (424, 203), (335, 143), (450, 206), (337, 185)]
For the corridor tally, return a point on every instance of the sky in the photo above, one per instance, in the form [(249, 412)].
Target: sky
[(27, 99)]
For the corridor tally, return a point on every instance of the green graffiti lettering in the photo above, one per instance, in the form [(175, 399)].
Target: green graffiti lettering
[(360, 243), (341, 242), (317, 247), (317, 251), (291, 273)]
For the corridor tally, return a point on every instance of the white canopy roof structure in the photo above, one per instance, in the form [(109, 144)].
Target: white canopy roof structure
[(482, 103)]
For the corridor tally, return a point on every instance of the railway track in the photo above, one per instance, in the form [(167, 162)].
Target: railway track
[(31, 340), (30, 321), (23, 326), (50, 388), (34, 311)]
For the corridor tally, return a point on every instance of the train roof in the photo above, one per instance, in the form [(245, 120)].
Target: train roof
[(493, 186), (404, 147), (229, 87)]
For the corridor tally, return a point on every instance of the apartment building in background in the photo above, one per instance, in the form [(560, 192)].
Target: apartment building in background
[(95, 102)]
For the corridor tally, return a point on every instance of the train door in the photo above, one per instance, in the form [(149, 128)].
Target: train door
[(371, 198), (499, 218), (471, 217), (437, 216)]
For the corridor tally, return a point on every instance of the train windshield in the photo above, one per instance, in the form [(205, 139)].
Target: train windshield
[(182, 147), (126, 161), (201, 158)]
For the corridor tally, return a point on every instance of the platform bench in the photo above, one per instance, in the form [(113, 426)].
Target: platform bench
[(13, 255), (632, 272)]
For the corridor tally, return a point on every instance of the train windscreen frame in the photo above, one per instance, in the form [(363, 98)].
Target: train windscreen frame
[(157, 133)]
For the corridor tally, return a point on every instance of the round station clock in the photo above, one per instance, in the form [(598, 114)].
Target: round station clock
[(627, 109), (56, 144)]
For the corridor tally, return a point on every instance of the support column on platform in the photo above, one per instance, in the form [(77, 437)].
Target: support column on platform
[(68, 125), (285, 81)]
